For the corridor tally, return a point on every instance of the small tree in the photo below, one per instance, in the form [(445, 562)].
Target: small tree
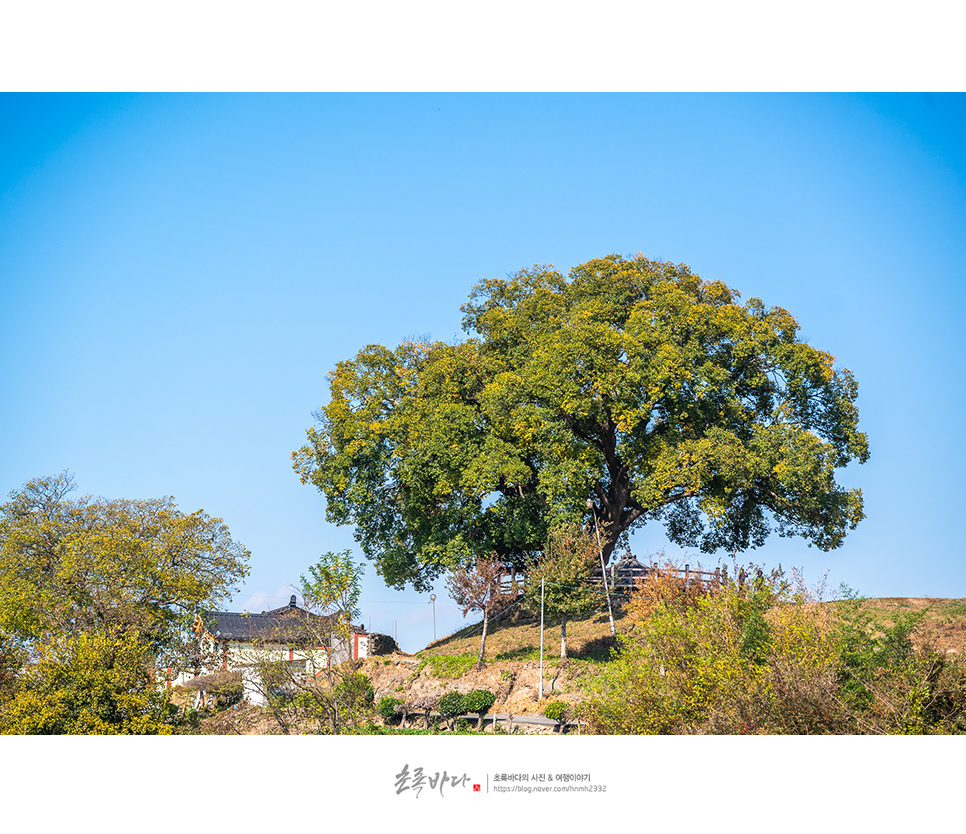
[(479, 701), (451, 706), (334, 696), (479, 589), (333, 591), (568, 561)]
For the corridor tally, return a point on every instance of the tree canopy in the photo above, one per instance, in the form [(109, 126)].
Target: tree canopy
[(89, 583), (631, 382), (334, 590)]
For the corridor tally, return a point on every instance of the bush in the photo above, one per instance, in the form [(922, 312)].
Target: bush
[(891, 686), (95, 683), (764, 658), (749, 658), (479, 701), (386, 708), (556, 710), (451, 705), (355, 695)]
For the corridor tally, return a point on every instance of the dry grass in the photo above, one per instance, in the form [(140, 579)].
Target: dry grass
[(516, 637), (943, 625)]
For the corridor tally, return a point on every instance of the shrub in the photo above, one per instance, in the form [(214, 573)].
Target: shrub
[(479, 701), (355, 695), (451, 705), (888, 685), (92, 683), (556, 710), (745, 658), (386, 708), (762, 658), (425, 705)]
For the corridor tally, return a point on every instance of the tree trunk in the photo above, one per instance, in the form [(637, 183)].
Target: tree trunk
[(486, 620), (563, 636)]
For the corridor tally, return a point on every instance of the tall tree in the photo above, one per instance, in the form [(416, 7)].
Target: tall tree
[(89, 582), (632, 382)]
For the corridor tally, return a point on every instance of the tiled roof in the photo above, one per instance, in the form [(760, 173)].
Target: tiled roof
[(227, 625)]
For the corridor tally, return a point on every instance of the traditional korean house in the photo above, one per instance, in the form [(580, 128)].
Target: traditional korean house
[(239, 642)]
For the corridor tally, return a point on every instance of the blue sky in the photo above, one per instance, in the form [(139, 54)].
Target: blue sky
[(178, 273)]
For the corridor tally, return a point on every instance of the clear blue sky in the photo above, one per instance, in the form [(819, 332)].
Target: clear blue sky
[(178, 273)]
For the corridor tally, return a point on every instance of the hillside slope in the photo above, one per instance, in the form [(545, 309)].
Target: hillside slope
[(512, 664)]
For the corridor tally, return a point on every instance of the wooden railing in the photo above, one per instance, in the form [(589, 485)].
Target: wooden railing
[(626, 579), (621, 580)]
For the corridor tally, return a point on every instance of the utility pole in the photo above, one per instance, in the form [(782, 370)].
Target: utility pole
[(432, 599), (540, 691), (603, 570)]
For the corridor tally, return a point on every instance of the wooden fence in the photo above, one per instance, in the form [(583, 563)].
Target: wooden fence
[(623, 577)]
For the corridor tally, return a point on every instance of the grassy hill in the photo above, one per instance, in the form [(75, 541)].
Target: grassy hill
[(512, 663), (513, 652), (517, 637)]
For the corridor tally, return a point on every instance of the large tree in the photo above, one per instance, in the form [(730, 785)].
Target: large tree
[(631, 382), (88, 583)]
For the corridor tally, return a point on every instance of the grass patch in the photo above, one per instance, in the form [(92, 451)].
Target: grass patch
[(372, 729), (953, 609), (520, 653), (598, 650), (450, 666)]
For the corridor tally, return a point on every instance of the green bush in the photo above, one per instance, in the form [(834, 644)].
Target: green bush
[(355, 693), (556, 710), (386, 708), (479, 701), (92, 683), (451, 705), (747, 658), (892, 686), (760, 659)]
